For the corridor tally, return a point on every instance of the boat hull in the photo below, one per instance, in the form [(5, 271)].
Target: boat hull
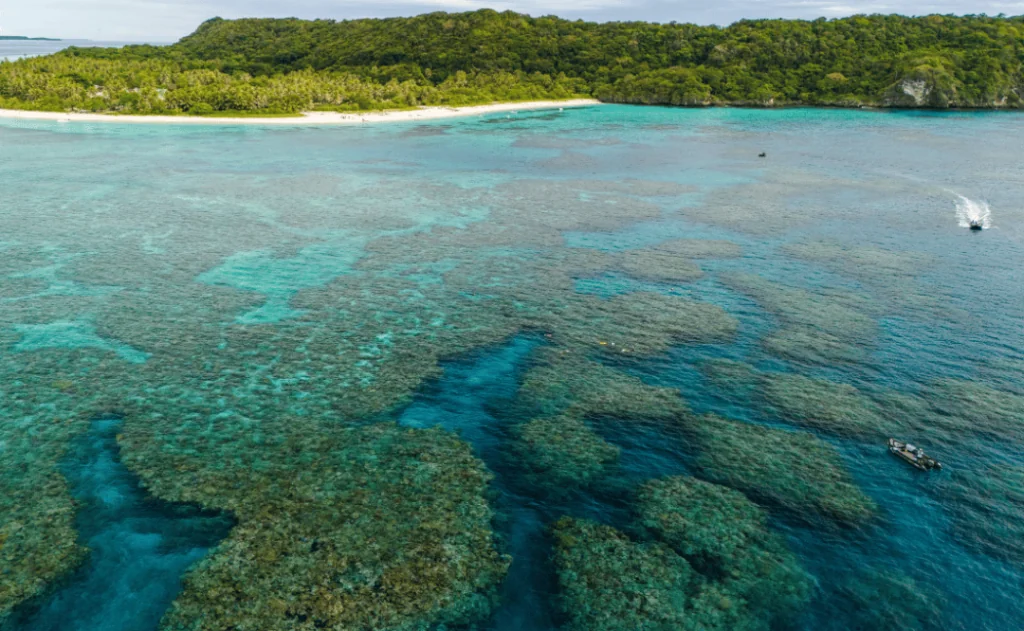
[(919, 461)]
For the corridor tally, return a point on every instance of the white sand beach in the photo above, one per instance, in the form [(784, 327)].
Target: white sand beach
[(308, 118)]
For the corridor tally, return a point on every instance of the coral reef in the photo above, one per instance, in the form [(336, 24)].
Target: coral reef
[(265, 352), (911, 413), (699, 519), (820, 326), (656, 265), (564, 381), (37, 536), (1005, 374), (737, 379), (837, 408), (782, 199), (725, 535), (362, 527), (669, 261), (838, 314), (642, 323), (888, 600), (963, 406), (827, 406), (611, 583), (792, 469), (701, 248), (39, 404), (269, 353), (987, 510), (560, 453), (893, 275), (943, 411), (808, 346), (862, 262), (138, 547)]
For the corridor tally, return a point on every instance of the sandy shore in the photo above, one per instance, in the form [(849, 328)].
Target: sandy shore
[(308, 118)]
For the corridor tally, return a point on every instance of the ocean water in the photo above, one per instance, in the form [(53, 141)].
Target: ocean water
[(138, 548), (353, 347), (13, 49)]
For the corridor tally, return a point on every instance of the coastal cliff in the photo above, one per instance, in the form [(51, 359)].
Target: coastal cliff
[(930, 87)]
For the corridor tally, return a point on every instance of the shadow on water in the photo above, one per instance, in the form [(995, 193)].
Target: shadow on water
[(139, 547)]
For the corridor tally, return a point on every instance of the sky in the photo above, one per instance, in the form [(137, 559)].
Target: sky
[(169, 20)]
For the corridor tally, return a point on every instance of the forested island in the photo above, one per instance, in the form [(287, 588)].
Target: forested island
[(279, 66), (23, 38)]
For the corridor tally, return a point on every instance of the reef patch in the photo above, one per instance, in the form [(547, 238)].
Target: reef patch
[(726, 537), (138, 548), (351, 527), (794, 470)]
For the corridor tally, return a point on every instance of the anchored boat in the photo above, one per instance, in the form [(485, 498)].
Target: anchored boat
[(913, 455)]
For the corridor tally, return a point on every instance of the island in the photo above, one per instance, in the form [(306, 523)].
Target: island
[(22, 38), (272, 67)]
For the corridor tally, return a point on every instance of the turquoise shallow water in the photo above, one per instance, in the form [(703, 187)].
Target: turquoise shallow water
[(238, 294), (138, 548)]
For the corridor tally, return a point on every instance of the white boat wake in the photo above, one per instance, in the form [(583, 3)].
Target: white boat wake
[(969, 211)]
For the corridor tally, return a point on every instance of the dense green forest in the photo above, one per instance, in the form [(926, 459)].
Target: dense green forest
[(290, 65)]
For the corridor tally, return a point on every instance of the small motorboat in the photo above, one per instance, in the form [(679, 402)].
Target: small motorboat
[(762, 155), (975, 225), (913, 455)]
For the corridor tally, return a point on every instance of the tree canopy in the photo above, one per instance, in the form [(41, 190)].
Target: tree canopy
[(289, 65)]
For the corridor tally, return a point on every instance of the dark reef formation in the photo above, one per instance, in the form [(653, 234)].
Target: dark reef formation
[(707, 560), (726, 536), (888, 600), (563, 381), (987, 510), (827, 406), (794, 470), (367, 527), (561, 453)]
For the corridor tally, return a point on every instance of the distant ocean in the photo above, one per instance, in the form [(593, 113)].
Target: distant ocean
[(19, 49)]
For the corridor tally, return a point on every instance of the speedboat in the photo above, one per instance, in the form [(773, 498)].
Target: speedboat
[(975, 225), (915, 456)]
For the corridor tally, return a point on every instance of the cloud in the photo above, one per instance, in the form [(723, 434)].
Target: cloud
[(167, 20)]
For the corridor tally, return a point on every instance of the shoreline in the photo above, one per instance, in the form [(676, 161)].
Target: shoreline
[(306, 118)]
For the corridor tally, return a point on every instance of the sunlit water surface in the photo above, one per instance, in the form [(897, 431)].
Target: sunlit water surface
[(189, 277)]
